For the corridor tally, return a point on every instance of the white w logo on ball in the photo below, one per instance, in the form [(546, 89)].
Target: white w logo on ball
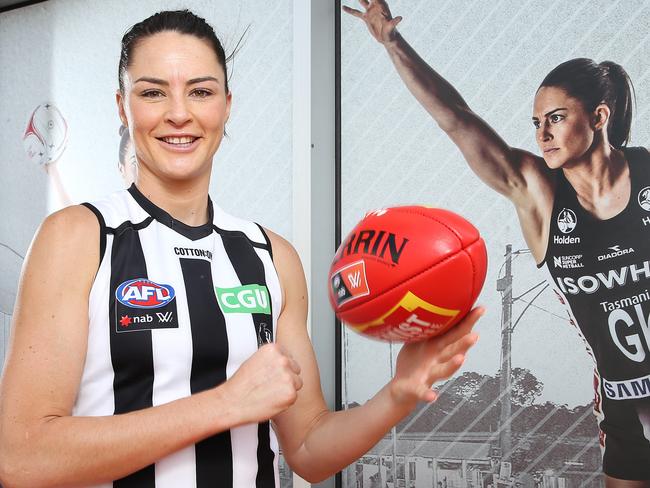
[(355, 279)]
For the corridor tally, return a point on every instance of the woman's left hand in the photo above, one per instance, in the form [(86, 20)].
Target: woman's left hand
[(421, 364)]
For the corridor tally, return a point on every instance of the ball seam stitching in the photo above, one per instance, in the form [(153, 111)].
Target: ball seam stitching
[(397, 285)]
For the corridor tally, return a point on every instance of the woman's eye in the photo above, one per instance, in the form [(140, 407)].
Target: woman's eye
[(536, 124), (201, 93), (152, 93), (556, 118)]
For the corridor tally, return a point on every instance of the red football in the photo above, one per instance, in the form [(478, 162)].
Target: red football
[(407, 273)]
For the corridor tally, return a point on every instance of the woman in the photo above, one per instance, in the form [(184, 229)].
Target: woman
[(142, 320), (583, 211)]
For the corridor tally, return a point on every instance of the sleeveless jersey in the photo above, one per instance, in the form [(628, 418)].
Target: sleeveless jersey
[(600, 270), (175, 310)]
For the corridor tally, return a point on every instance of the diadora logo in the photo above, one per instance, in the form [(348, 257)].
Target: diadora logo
[(644, 198), (615, 251), (144, 293), (244, 299), (566, 220), (568, 262)]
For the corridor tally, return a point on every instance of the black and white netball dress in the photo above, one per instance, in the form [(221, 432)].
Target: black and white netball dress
[(600, 270)]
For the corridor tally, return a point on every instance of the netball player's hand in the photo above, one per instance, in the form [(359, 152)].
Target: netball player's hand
[(421, 364), (378, 19), (266, 384)]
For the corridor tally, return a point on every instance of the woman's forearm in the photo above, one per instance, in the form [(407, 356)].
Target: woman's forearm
[(72, 451), (337, 439)]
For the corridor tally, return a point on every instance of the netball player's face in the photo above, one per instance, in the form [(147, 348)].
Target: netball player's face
[(175, 105), (563, 127)]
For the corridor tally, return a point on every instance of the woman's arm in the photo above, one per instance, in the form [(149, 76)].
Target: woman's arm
[(316, 442), (488, 155), (517, 174), (41, 444)]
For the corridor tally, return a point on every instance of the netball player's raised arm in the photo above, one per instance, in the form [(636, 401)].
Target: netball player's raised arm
[(494, 161)]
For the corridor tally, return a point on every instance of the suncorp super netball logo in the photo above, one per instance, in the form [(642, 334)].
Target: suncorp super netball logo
[(566, 220), (46, 134)]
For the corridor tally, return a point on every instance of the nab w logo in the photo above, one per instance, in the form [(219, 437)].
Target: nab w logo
[(165, 317), (355, 279), (558, 262), (350, 282), (244, 299)]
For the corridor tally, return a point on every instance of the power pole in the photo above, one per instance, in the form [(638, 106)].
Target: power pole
[(393, 430), (504, 285)]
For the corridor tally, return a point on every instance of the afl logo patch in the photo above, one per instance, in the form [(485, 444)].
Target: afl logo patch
[(566, 220), (143, 293), (644, 198)]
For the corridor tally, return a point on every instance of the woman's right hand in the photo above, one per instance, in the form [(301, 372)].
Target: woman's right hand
[(265, 385), (378, 19)]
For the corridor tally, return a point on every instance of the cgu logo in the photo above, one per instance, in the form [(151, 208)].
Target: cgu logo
[(143, 293), (244, 299)]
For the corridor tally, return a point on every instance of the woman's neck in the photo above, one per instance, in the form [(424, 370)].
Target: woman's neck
[(601, 181), (186, 201)]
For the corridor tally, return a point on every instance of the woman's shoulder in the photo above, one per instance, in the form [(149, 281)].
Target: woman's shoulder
[(69, 223), (286, 258), (74, 229), (68, 238), (281, 246)]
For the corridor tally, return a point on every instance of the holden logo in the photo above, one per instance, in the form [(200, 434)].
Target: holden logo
[(644, 198), (566, 220)]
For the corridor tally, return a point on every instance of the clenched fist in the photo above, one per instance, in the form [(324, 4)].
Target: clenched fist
[(266, 384)]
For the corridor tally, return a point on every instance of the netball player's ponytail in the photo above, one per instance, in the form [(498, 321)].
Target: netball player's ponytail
[(592, 84), (623, 101)]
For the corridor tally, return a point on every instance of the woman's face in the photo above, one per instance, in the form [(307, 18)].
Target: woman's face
[(564, 130), (175, 105)]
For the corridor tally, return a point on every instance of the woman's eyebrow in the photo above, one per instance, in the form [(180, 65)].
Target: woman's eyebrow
[(553, 111), (159, 81)]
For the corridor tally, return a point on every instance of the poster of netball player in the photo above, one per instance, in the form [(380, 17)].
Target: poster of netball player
[(522, 117)]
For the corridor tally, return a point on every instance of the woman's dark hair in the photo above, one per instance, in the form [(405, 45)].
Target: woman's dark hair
[(594, 83), (181, 21)]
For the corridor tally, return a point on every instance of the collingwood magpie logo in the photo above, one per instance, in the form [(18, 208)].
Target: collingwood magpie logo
[(566, 220), (644, 198), (615, 251)]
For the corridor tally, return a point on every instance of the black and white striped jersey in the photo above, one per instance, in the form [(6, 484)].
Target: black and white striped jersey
[(175, 310)]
